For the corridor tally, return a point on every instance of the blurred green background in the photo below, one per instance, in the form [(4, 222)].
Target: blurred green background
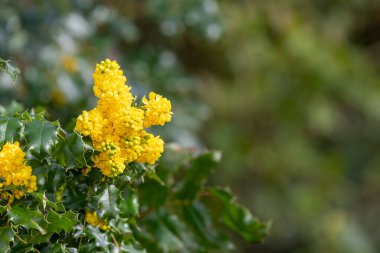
[(288, 90)]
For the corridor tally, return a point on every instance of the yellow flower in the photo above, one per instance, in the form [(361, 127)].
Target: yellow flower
[(157, 110), (116, 127), (92, 219), (14, 171)]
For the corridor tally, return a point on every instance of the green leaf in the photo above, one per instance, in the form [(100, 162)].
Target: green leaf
[(153, 194), (129, 205), (41, 136), (70, 151), (107, 202), (238, 218), (197, 216), (199, 171), (164, 232), (129, 248), (76, 193), (29, 219), (101, 239), (58, 222), (11, 109), (11, 70), (10, 128), (54, 176), (6, 236), (45, 202)]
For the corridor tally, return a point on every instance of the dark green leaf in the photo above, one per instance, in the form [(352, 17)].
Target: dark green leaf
[(239, 218), (107, 202), (45, 202), (41, 136), (69, 151), (29, 219), (200, 169), (55, 177), (153, 194), (129, 248), (164, 232), (6, 236), (65, 221), (197, 216), (10, 128), (101, 239), (129, 205)]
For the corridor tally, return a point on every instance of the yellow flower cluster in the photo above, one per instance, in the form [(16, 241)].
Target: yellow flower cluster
[(14, 171), (117, 127), (157, 110), (92, 219)]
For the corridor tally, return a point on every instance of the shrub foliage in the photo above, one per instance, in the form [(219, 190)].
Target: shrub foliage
[(166, 206)]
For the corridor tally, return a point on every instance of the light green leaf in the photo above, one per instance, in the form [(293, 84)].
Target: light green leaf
[(239, 218), (11, 70), (6, 236), (130, 249)]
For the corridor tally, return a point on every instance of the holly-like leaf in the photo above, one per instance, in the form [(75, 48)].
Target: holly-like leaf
[(59, 222), (153, 194), (41, 136), (46, 203), (129, 248), (107, 202), (198, 218), (11, 70), (167, 234), (10, 128), (238, 218), (6, 236), (200, 169), (55, 223), (12, 108), (101, 239), (70, 151), (129, 205), (29, 219)]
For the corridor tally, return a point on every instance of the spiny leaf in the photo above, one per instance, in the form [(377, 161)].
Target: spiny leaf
[(29, 219), (65, 221), (12, 108), (101, 239), (10, 128), (239, 218), (198, 218), (200, 169), (11, 70), (45, 202), (108, 207), (41, 136), (69, 151), (129, 206)]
